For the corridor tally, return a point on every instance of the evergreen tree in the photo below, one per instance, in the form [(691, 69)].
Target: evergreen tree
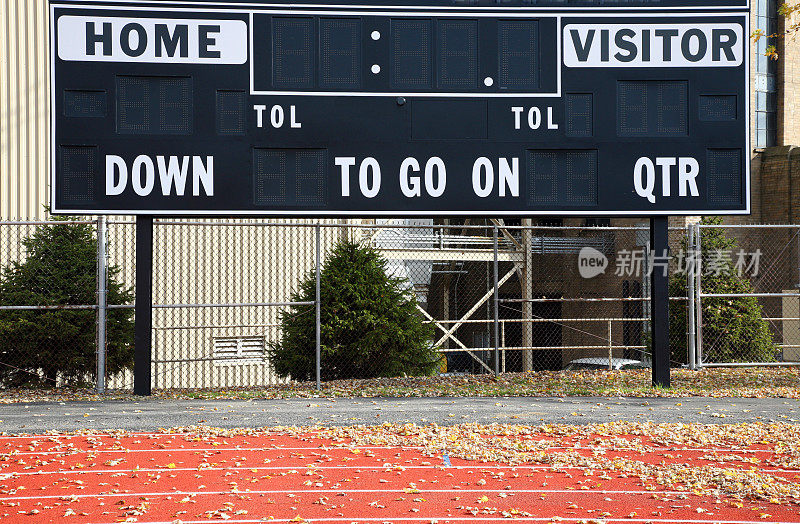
[(734, 329), (37, 347), (370, 326)]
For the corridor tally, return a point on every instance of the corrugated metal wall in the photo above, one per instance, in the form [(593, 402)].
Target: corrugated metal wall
[(193, 264), (24, 114), (223, 264), (220, 262)]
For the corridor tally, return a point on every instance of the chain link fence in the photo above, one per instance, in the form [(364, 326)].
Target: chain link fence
[(749, 294), (235, 301), (48, 303)]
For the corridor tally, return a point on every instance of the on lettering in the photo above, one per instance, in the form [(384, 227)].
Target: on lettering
[(483, 177)]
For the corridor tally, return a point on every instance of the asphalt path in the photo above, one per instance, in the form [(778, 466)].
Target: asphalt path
[(152, 414)]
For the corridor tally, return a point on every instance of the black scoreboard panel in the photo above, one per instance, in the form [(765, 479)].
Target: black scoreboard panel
[(585, 107)]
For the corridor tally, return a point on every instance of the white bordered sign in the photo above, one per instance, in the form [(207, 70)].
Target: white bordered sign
[(216, 108)]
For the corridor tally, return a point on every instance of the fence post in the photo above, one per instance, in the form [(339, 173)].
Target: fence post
[(143, 308), (503, 344), (698, 290), (496, 308), (610, 348), (317, 308), (102, 303), (527, 295), (659, 302), (690, 307)]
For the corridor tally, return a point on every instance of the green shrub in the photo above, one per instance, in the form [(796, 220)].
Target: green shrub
[(39, 347), (734, 329), (370, 325)]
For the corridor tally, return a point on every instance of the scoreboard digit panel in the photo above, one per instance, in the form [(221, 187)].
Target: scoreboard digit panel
[(585, 108)]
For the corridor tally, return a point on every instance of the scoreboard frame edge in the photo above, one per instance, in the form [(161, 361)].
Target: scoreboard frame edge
[(336, 9)]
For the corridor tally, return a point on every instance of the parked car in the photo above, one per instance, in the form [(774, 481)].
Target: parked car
[(602, 363)]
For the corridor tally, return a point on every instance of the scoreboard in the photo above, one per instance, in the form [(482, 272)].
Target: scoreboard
[(409, 107)]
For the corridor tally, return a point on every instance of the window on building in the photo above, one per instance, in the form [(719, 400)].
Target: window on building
[(766, 70)]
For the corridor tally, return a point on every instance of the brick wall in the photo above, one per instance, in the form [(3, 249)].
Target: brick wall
[(788, 87), (776, 168), (751, 90)]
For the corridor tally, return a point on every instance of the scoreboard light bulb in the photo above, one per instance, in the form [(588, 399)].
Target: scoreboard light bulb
[(488, 81), (375, 69), (376, 35)]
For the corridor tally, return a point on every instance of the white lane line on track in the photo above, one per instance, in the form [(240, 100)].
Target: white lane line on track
[(340, 490), (367, 469), (443, 519), (87, 435), (124, 434), (151, 436), (215, 449), (399, 448)]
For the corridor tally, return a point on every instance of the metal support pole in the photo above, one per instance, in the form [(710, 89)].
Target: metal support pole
[(698, 289), (503, 343), (527, 294), (690, 313), (143, 339), (659, 302), (102, 303), (318, 312), (610, 348), (496, 308)]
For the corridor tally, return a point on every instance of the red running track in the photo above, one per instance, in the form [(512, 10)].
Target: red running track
[(302, 478)]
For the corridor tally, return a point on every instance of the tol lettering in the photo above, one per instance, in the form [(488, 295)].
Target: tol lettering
[(532, 117), (277, 116)]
